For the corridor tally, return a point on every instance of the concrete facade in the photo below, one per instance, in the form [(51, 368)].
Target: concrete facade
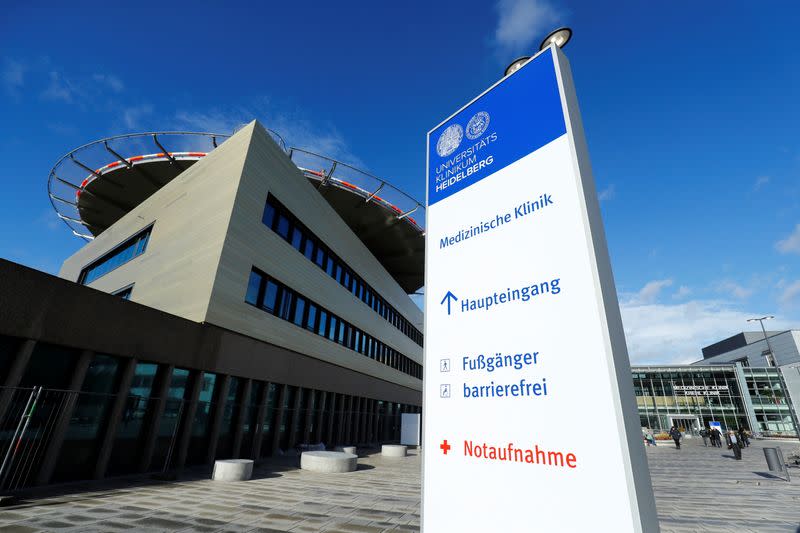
[(207, 235)]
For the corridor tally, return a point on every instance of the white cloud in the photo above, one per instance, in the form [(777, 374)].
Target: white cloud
[(682, 292), (521, 25), (731, 288), (212, 122), (790, 244), (132, 116), (59, 89), (650, 292), (13, 75), (676, 334), (292, 126), (761, 181), (109, 80), (607, 194), (790, 294)]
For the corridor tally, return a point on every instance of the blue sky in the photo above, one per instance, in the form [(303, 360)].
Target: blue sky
[(690, 110)]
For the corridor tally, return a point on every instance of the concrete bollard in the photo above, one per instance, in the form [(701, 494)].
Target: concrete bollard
[(394, 450), (347, 449), (328, 462), (232, 470)]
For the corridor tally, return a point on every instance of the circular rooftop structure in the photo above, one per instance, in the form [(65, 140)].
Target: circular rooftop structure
[(95, 185)]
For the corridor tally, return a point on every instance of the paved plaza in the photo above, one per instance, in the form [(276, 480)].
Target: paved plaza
[(697, 489)]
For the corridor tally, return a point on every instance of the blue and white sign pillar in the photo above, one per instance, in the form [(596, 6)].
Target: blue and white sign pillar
[(530, 421)]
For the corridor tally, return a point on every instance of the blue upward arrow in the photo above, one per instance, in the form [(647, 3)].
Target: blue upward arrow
[(449, 297)]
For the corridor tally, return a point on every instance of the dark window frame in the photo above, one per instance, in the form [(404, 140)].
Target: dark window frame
[(135, 241)]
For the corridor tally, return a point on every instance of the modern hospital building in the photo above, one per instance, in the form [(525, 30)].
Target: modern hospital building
[(236, 298)]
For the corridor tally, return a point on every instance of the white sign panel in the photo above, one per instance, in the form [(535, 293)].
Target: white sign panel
[(409, 429), (530, 421)]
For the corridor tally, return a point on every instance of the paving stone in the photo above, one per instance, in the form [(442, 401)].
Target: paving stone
[(18, 528), (697, 490)]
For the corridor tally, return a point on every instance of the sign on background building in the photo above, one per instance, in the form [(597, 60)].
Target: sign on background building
[(523, 332)]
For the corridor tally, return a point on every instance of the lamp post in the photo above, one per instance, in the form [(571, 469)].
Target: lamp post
[(560, 37), (769, 346)]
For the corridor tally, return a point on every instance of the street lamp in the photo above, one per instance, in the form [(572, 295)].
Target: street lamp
[(560, 37), (769, 346)]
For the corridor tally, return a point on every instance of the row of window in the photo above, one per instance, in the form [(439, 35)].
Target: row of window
[(133, 247), (284, 223), (291, 415), (279, 300)]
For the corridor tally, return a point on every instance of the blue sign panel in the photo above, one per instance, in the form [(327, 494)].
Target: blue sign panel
[(517, 117)]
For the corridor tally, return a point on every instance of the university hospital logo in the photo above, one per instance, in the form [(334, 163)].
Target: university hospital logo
[(465, 163), (451, 137), (449, 140), (477, 125)]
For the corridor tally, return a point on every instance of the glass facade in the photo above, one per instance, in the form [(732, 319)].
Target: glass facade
[(138, 407), (770, 401), (133, 247), (110, 426), (692, 396), (50, 366), (277, 299), (174, 405), (284, 223), (201, 425), (229, 414), (89, 417)]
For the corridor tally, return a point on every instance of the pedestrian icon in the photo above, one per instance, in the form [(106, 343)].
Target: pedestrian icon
[(444, 390), (444, 365)]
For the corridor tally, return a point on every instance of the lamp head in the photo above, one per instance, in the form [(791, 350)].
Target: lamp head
[(560, 37)]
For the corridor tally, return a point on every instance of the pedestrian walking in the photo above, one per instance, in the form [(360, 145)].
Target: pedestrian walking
[(705, 435), (744, 441), (717, 437), (676, 436), (733, 444)]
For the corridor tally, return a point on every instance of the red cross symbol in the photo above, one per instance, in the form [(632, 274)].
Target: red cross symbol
[(445, 447)]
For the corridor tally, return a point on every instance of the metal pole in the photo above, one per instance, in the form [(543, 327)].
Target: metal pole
[(172, 442), (30, 406), (769, 346)]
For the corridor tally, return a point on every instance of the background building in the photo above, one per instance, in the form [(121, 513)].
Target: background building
[(750, 349), (228, 304), (691, 396)]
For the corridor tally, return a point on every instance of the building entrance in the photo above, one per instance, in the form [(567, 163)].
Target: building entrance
[(688, 425)]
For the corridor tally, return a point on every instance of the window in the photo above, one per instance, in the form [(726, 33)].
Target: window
[(323, 319), (277, 299), (283, 226), (297, 239), (270, 297), (130, 249), (299, 308), (253, 285), (333, 325), (308, 251), (286, 304), (269, 216), (320, 258), (125, 293), (280, 220), (311, 323)]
